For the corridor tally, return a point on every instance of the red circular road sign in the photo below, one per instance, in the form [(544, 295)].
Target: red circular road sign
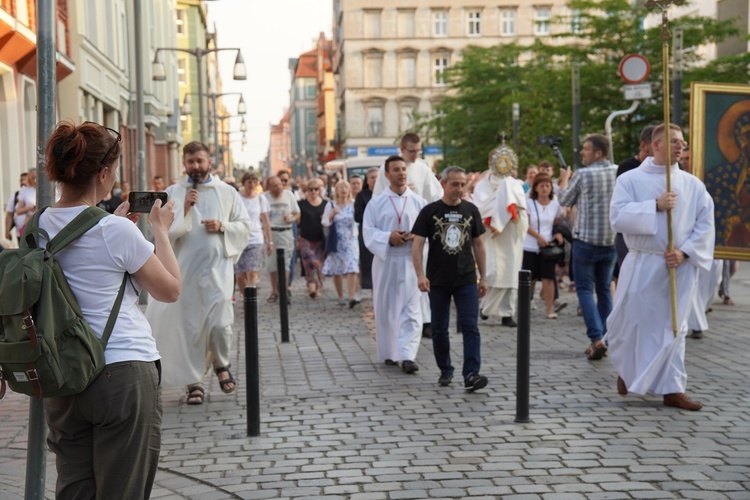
[(634, 68)]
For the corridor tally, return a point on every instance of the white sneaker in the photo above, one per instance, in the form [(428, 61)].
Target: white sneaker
[(358, 297), (533, 304)]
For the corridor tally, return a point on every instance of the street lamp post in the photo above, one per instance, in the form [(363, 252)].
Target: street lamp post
[(186, 110), (159, 74)]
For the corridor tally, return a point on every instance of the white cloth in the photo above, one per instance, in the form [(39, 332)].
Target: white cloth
[(195, 331), (256, 206), (503, 241), (420, 179), (395, 295), (94, 266), (542, 220), (642, 345), (708, 284), (28, 195)]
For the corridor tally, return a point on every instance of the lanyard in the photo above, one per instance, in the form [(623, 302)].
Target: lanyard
[(403, 209)]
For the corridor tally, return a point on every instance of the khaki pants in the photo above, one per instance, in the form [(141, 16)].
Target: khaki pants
[(107, 438)]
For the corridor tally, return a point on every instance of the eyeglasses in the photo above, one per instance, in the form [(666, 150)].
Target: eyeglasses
[(313, 189), (413, 151), (114, 134), (284, 181)]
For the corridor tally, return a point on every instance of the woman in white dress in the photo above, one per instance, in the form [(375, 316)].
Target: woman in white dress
[(253, 257)]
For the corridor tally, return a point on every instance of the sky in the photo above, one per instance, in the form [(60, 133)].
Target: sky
[(269, 33)]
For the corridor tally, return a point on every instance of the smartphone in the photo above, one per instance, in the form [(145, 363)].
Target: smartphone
[(142, 201)]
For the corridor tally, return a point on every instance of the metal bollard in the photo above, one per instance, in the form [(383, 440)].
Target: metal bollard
[(252, 373), (523, 346), (283, 304)]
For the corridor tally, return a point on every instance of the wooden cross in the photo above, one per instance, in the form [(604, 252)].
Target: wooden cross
[(663, 5)]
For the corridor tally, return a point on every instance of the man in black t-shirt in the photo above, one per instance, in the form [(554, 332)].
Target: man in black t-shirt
[(456, 251)]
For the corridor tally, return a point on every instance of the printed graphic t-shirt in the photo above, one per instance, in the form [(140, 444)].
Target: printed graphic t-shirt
[(449, 231)]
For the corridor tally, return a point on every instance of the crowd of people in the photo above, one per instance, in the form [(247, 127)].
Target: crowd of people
[(418, 241)]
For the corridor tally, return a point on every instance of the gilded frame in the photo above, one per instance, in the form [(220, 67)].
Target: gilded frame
[(720, 156)]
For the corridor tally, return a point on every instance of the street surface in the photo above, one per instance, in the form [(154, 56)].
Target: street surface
[(337, 424)]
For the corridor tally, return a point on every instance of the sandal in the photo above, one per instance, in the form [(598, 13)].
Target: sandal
[(596, 350), (224, 383), (272, 298), (195, 395)]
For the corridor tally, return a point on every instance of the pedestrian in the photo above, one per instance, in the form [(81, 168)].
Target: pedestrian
[(594, 255), (343, 262), (311, 237), (360, 203), (503, 206), (355, 181), (649, 359), (454, 227), (26, 201), (544, 212), (284, 213), (11, 218), (210, 231), (259, 243), (158, 183), (107, 438), (531, 172), (396, 298)]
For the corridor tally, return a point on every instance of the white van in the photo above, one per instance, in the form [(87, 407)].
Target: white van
[(354, 166)]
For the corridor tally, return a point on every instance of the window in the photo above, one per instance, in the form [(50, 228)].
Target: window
[(576, 23), (406, 115), (182, 70), (375, 120), (92, 33), (474, 27), (374, 70), (508, 27), (180, 22), (372, 24), (406, 23), (440, 23), (542, 20), (310, 91), (407, 70), (440, 64)]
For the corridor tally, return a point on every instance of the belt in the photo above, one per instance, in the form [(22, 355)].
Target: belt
[(281, 229)]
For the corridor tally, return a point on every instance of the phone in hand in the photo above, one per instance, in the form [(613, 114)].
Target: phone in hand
[(142, 201)]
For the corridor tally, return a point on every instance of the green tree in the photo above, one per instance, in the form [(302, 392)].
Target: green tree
[(485, 83)]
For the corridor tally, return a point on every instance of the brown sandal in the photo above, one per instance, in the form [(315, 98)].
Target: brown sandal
[(196, 394), (224, 383), (272, 298)]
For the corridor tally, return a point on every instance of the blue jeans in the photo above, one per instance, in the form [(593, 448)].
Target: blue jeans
[(467, 309), (592, 268)]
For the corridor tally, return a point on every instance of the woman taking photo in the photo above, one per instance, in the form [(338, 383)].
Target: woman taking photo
[(544, 213), (344, 260), (107, 438), (311, 238), (253, 259)]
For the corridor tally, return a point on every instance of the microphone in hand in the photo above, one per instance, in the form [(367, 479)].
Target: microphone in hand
[(195, 179)]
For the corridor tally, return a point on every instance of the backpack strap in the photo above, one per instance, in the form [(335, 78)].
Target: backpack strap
[(114, 313)]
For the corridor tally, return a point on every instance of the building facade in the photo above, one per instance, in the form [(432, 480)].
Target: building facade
[(303, 114), (279, 148), (389, 58)]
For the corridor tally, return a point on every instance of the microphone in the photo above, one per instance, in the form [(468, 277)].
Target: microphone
[(196, 179)]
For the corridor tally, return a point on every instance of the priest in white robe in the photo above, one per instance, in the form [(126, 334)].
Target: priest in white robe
[(422, 180), (386, 228), (502, 204), (708, 285), (209, 233), (642, 346)]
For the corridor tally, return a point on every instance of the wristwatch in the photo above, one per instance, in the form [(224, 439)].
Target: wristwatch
[(221, 227)]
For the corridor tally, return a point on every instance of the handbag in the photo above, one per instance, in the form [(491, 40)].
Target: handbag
[(554, 251), (332, 239)]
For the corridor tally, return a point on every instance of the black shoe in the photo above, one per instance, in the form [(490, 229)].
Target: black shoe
[(474, 382), (696, 334), (409, 366), (445, 379), (427, 330), (353, 303), (509, 322), (483, 316), (390, 362)]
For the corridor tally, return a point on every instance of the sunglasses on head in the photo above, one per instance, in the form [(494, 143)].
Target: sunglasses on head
[(114, 134)]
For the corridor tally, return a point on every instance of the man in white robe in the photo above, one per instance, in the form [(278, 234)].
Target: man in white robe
[(502, 204), (642, 347), (708, 285), (210, 231), (386, 228), (421, 179)]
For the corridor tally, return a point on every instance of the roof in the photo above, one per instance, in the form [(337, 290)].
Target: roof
[(306, 65)]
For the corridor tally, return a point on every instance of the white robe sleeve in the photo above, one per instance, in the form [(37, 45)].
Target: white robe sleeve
[(699, 246), (236, 228), (183, 223), (431, 188), (631, 217), (381, 182), (376, 239)]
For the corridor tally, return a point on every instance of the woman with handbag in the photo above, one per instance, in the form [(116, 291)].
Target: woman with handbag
[(343, 260), (542, 249)]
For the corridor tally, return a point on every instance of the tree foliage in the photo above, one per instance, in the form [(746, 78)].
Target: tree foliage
[(487, 81)]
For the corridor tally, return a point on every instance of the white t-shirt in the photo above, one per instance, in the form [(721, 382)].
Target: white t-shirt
[(11, 208), (282, 206), (542, 224), (256, 206), (94, 266), (27, 194)]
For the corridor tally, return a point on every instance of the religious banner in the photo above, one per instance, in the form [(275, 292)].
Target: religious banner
[(720, 155)]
